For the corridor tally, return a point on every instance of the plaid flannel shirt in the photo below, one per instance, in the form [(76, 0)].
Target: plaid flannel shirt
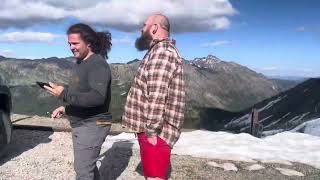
[(156, 100)]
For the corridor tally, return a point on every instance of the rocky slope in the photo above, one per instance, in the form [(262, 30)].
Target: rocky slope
[(210, 82), (283, 111)]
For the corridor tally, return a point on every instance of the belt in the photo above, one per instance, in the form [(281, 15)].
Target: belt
[(86, 111)]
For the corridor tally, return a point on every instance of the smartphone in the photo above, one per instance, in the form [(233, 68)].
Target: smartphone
[(42, 84)]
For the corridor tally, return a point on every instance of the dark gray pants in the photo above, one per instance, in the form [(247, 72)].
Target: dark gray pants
[(87, 140)]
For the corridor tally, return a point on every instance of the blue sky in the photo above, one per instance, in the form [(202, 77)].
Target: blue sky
[(274, 37)]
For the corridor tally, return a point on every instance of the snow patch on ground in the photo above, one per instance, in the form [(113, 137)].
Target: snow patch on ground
[(285, 147), (310, 127)]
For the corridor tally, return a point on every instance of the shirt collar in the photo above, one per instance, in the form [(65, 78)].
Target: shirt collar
[(156, 41)]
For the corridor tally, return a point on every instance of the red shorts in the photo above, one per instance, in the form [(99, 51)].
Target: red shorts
[(155, 159)]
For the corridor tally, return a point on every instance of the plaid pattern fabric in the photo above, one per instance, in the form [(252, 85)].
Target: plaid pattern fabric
[(156, 100)]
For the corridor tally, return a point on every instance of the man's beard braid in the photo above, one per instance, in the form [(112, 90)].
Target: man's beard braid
[(143, 42)]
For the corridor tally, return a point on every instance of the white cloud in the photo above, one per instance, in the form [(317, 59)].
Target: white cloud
[(19, 13), (123, 40), (7, 53), (14, 37), (282, 71), (301, 29), (269, 68), (215, 44), (125, 15), (69, 4)]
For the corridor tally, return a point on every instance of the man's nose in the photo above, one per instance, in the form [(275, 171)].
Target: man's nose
[(72, 47)]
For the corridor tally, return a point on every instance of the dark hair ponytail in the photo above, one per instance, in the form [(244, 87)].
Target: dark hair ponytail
[(100, 42), (105, 43)]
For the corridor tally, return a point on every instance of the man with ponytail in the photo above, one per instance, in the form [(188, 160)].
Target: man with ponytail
[(87, 96)]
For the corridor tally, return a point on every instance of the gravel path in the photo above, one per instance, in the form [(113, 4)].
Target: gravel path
[(36, 155)]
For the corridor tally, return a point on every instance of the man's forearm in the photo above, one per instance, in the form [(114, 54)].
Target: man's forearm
[(89, 99)]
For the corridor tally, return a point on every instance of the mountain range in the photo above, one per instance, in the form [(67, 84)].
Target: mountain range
[(211, 83)]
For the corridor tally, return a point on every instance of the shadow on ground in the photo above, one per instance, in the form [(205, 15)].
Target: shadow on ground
[(115, 160)]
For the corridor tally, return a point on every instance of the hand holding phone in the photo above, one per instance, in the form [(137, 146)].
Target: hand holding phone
[(52, 88), (42, 84)]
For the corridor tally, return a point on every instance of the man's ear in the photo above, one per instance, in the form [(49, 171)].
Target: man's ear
[(155, 29)]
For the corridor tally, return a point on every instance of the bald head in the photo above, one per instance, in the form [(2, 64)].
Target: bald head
[(162, 20), (155, 27)]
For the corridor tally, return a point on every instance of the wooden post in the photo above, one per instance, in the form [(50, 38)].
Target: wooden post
[(254, 130)]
